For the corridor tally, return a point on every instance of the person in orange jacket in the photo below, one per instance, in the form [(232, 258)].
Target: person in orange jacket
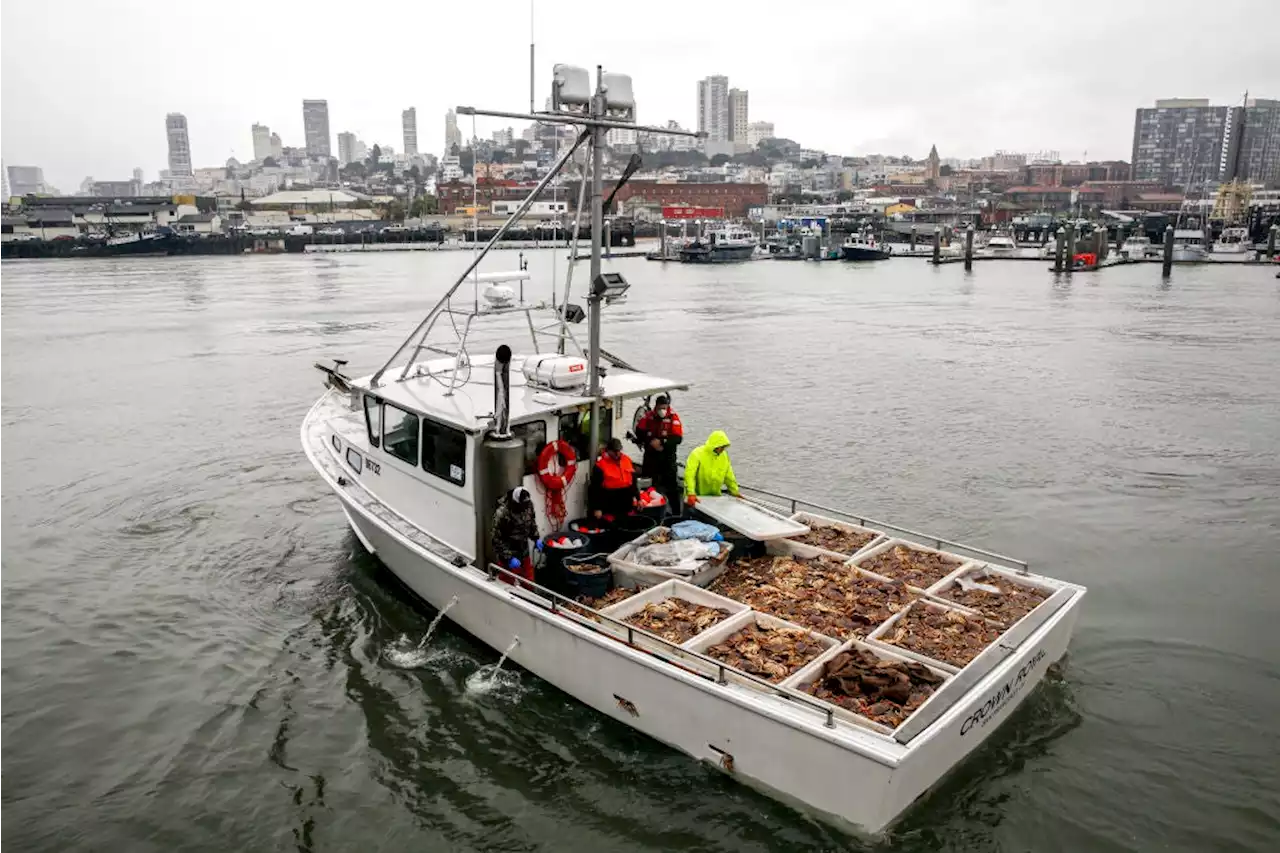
[(612, 491)]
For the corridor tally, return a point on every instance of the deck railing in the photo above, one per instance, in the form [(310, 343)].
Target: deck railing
[(799, 504)]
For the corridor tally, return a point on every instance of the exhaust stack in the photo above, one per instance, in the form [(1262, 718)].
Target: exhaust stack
[(502, 392)]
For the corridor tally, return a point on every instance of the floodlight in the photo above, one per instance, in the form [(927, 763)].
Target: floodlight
[(609, 285)]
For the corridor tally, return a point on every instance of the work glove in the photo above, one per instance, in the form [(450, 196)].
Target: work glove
[(514, 564), (691, 500), (538, 546)]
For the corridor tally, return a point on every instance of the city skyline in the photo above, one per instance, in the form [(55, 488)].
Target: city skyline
[(956, 87)]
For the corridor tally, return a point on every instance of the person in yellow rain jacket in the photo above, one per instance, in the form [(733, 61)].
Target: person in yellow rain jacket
[(708, 470)]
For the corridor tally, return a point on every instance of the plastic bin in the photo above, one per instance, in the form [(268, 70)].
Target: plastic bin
[(631, 575), (553, 557), (591, 577)]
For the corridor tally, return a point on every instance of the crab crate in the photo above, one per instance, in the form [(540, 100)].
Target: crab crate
[(746, 620), (989, 632), (1024, 589), (806, 680), (870, 536)]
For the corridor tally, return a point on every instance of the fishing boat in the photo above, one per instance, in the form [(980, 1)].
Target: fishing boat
[(1188, 245), (1233, 241), (864, 247), (722, 244), (420, 451)]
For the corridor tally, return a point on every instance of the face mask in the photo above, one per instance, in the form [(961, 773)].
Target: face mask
[(662, 412)]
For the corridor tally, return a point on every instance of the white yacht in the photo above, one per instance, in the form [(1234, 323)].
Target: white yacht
[(1138, 247), (1233, 241), (420, 451), (1001, 245)]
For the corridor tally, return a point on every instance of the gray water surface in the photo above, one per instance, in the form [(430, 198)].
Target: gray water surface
[(198, 655)]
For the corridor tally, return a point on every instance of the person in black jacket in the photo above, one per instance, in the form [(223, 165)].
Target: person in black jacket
[(514, 527)]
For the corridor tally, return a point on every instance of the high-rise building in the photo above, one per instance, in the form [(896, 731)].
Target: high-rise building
[(1181, 142), (452, 136), (1260, 143), (139, 177), (713, 108), (503, 138), (758, 131), (175, 125), (346, 147), (315, 127), (261, 142), (409, 121), (26, 180), (277, 146), (4, 185), (738, 122)]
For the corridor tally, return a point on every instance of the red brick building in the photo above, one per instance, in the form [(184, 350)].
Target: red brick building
[(1075, 174), (456, 194), (734, 198), (1053, 198), (1121, 194)]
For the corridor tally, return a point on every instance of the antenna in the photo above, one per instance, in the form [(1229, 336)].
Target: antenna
[(532, 107)]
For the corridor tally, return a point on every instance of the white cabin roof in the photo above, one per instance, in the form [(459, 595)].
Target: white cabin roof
[(470, 407)]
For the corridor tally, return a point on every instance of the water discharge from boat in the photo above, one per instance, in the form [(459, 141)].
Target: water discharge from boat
[(487, 678), (402, 655), (436, 621)]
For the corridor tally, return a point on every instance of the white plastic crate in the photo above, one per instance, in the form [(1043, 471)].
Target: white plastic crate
[(734, 624), (671, 589), (629, 574), (816, 521), (875, 638), (979, 571), (860, 560), (812, 671)]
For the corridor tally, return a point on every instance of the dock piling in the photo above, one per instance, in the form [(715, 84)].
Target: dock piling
[(1069, 249), (1166, 263), (968, 249), (937, 245), (1059, 248), (1271, 241), (913, 239), (664, 240)]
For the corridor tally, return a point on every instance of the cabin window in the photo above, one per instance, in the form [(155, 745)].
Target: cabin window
[(534, 436), (354, 460), (373, 420), (444, 452), (571, 430), (400, 433)]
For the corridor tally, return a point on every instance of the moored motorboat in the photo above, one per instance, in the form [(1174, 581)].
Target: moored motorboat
[(864, 247), (724, 244)]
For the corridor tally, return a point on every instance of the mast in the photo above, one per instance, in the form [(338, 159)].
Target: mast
[(609, 105), (594, 300)]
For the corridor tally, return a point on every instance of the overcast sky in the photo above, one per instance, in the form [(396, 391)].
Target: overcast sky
[(86, 85)]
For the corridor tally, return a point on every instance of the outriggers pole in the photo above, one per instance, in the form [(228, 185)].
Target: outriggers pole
[(610, 105)]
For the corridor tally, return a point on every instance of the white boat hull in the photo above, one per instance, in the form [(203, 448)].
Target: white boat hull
[(851, 777)]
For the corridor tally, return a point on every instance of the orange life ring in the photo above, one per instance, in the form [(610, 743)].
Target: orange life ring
[(558, 453)]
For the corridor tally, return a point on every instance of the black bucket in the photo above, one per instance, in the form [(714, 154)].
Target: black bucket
[(656, 514), (587, 578), (554, 558), (631, 526)]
